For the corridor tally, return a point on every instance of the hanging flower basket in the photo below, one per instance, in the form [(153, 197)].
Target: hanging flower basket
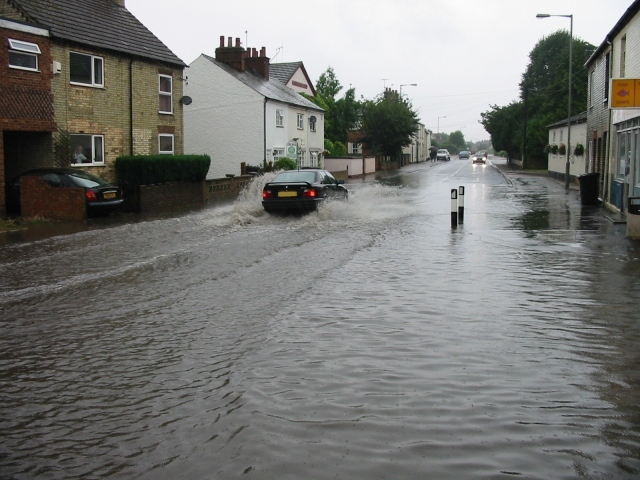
[(579, 150), (554, 148), (547, 149), (562, 149)]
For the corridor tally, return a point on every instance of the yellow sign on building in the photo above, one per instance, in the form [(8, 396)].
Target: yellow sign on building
[(625, 93)]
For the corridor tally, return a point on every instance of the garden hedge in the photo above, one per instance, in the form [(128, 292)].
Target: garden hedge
[(154, 169)]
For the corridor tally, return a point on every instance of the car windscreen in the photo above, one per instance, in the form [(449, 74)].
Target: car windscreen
[(295, 176), (86, 180)]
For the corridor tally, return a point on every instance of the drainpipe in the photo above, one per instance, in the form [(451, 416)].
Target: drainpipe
[(605, 174), (264, 134), (131, 106)]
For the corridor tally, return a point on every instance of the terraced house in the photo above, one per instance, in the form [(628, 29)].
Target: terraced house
[(83, 82)]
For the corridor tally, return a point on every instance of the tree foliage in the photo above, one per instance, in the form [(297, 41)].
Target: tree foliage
[(388, 123), (544, 94), (341, 114)]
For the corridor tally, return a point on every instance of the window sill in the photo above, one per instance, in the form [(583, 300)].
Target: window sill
[(165, 113), (25, 69), (101, 87), (88, 164)]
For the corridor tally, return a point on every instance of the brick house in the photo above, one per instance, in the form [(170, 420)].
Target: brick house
[(242, 113), (613, 137), (26, 101), (115, 88)]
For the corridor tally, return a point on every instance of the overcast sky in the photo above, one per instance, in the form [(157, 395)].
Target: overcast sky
[(464, 55)]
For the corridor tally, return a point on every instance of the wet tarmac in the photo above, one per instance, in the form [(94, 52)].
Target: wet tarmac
[(368, 340)]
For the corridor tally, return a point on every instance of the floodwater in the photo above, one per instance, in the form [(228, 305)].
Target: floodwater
[(370, 340)]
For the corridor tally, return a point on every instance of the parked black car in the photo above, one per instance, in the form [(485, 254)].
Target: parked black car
[(100, 195), (301, 190)]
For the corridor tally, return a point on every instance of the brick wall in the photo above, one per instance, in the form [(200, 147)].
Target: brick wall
[(39, 199), (107, 111), (170, 196)]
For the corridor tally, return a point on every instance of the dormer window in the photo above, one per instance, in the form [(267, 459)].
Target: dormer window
[(23, 55)]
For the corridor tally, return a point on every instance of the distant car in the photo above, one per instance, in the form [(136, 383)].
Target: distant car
[(464, 154), (301, 190), (100, 195), (480, 157), (443, 154)]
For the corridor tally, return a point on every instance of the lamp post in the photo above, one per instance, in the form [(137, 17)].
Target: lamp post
[(407, 85), (439, 123), (568, 165)]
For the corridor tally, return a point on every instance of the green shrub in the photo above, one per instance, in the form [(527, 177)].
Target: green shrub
[(284, 163), (153, 169)]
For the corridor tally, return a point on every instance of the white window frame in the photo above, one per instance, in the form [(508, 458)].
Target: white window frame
[(277, 152), (97, 67), (312, 124), (279, 119), (95, 143), (24, 50), (173, 143), (165, 94), (300, 121)]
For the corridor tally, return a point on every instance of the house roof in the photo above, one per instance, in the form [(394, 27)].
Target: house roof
[(272, 89), (100, 24), (579, 118), (624, 20), (285, 71)]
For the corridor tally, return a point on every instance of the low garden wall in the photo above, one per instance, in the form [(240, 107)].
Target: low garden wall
[(39, 199)]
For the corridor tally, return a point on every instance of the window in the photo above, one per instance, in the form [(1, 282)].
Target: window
[(277, 153), (592, 81), (279, 118), (355, 148), (165, 143), (166, 93), (86, 69), (312, 123), (623, 154), (23, 55), (87, 149), (300, 121)]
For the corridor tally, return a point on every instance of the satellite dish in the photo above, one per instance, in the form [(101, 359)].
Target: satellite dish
[(186, 100)]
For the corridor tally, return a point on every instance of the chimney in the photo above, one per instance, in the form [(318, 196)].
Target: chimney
[(259, 62), (232, 56)]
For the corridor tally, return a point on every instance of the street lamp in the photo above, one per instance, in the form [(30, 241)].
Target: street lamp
[(439, 123), (568, 165), (407, 85)]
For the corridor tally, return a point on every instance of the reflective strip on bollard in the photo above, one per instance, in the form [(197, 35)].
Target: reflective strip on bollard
[(461, 204), (454, 207)]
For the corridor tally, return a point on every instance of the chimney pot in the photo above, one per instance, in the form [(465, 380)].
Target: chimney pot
[(237, 41), (229, 42), (221, 41), (263, 52)]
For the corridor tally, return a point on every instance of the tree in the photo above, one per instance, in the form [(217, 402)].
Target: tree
[(457, 139), (341, 114), (388, 123), (544, 95), (504, 126)]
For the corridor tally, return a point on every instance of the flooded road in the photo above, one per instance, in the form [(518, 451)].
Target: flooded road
[(369, 340)]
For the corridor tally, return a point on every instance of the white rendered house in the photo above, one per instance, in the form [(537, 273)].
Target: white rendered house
[(239, 114)]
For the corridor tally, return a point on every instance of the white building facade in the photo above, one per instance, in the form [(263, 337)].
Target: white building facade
[(239, 114)]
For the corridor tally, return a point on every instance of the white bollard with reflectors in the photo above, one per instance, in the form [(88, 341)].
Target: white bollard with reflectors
[(461, 204), (454, 207)]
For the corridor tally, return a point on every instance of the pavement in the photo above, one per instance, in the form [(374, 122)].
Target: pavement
[(513, 171)]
